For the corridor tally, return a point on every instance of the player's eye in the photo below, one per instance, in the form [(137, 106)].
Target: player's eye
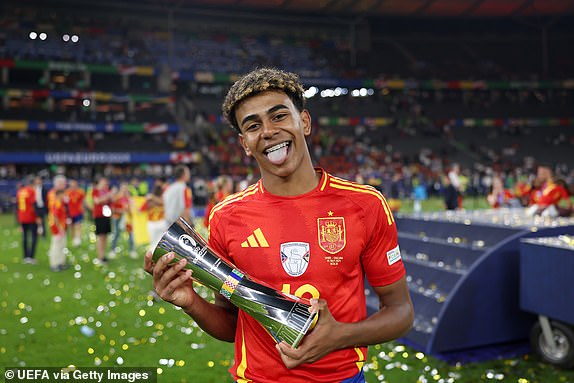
[(252, 127), (279, 116)]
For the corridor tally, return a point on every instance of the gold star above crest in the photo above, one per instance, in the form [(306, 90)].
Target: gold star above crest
[(330, 213)]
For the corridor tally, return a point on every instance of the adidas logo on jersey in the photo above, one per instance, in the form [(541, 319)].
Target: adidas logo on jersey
[(257, 239)]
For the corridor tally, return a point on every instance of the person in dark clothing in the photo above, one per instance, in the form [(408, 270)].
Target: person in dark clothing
[(450, 194), (41, 204)]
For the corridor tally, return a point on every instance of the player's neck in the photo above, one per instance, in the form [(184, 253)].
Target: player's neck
[(302, 181)]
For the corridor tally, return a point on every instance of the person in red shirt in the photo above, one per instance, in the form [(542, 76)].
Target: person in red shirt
[(57, 218), (76, 197), (551, 198), (304, 232), (499, 196), (26, 210), (102, 212), (59, 184)]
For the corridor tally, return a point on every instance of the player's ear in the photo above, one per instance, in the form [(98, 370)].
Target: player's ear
[(306, 122), (244, 145)]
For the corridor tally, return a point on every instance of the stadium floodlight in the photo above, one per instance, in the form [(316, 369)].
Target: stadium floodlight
[(33, 35), (75, 38), (363, 92), (370, 92), (355, 93), (66, 37), (86, 102), (43, 36), (312, 91)]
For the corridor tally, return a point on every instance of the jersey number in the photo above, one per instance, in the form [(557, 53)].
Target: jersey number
[(301, 291)]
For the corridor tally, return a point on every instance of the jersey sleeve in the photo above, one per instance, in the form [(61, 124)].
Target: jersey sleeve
[(550, 198), (382, 256), (187, 197), (216, 240)]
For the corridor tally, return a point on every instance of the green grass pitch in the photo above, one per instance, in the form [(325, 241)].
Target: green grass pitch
[(91, 315)]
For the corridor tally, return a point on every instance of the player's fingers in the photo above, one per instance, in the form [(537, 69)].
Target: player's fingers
[(148, 262), (292, 353), (318, 305), (162, 265), (170, 272), (170, 288), (284, 353)]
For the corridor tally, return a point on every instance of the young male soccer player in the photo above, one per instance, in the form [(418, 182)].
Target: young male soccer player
[(304, 232)]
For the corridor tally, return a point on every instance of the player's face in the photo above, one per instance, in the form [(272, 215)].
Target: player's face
[(273, 132)]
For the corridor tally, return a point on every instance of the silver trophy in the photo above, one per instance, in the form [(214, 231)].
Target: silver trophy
[(286, 317)]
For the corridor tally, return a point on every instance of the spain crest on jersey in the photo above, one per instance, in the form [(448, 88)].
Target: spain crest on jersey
[(331, 233), (295, 257)]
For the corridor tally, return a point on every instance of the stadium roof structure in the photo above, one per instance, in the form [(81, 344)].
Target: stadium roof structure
[(341, 8), (420, 8)]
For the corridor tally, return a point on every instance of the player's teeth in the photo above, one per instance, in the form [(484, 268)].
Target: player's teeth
[(276, 147)]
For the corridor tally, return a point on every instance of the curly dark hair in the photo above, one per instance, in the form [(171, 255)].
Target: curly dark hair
[(260, 80)]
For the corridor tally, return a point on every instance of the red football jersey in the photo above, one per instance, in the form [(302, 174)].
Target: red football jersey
[(75, 201), (551, 194), (155, 212), (98, 211), (26, 198), (314, 245), (57, 216)]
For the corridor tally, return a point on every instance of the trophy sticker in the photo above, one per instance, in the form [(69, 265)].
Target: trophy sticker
[(285, 317)]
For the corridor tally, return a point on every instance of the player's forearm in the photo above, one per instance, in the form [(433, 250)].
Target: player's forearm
[(219, 322), (391, 322)]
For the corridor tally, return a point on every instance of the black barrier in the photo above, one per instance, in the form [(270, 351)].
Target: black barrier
[(463, 276)]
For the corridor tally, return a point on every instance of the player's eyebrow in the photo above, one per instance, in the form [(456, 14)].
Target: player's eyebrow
[(271, 110)]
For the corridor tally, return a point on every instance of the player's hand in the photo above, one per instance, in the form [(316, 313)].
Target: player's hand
[(171, 282), (321, 341)]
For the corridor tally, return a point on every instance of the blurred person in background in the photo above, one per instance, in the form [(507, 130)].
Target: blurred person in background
[(419, 194), (220, 189), (551, 198), (177, 198), (450, 194), (57, 218), (455, 181), (161, 182), (60, 183), (564, 206), (76, 197), (122, 219), (102, 198), (225, 187), (499, 196), (26, 212), (138, 188), (41, 205), (156, 224)]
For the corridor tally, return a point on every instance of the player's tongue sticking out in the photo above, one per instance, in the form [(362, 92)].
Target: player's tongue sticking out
[(278, 154)]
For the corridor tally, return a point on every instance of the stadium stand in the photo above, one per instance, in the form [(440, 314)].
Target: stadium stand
[(441, 91)]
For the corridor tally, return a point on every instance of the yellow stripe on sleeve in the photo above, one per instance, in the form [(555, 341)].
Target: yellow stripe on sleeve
[(390, 218)]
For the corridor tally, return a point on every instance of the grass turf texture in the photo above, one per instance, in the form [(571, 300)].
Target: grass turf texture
[(43, 314)]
